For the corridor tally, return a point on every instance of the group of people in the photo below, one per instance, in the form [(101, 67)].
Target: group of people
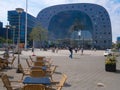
[(76, 49)]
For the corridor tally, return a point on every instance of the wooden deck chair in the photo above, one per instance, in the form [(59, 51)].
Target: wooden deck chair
[(3, 63), (60, 84), (12, 61), (28, 63), (34, 87), (7, 83), (51, 71), (24, 71), (37, 73), (31, 59), (39, 58), (39, 63)]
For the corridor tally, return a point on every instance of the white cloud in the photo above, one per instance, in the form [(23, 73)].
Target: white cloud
[(34, 7)]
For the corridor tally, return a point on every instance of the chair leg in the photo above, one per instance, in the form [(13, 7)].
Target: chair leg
[(22, 77), (12, 65)]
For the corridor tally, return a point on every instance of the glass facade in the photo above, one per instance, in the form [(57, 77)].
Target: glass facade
[(118, 39), (1, 25), (13, 18), (63, 21), (3, 31)]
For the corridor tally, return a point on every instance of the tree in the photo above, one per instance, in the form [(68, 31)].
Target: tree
[(2, 40), (118, 45), (38, 33)]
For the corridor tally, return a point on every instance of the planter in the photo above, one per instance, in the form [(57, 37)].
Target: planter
[(110, 67)]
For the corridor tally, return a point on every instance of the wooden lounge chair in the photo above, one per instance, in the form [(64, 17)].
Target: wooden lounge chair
[(24, 71), (39, 63), (34, 87), (32, 73), (12, 61), (51, 71), (35, 63), (31, 58), (29, 64), (39, 58), (8, 85), (3, 63), (48, 61), (37, 73), (62, 82), (58, 85)]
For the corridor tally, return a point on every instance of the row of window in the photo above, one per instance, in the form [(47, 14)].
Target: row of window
[(102, 41), (85, 7)]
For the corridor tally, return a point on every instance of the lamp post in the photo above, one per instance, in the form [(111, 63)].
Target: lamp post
[(13, 34), (19, 11), (26, 26), (7, 27), (13, 27), (79, 34)]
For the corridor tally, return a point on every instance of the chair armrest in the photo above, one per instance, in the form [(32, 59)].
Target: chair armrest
[(54, 82), (19, 81), (26, 69)]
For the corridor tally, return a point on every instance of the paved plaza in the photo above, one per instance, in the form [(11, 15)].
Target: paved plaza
[(85, 72)]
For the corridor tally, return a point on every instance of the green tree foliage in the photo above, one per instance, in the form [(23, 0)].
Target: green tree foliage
[(38, 33), (118, 45), (2, 40)]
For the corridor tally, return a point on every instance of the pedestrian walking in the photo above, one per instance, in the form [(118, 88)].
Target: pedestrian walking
[(33, 51), (71, 52), (82, 51), (56, 49), (76, 50)]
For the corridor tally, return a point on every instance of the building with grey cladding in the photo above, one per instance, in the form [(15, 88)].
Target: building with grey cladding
[(96, 31)]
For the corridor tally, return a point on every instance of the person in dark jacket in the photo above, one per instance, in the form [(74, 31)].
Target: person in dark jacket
[(71, 52)]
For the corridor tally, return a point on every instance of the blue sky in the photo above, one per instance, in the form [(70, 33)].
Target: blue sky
[(35, 6)]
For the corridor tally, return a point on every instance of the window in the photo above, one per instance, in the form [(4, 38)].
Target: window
[(105, 41), (85, 9), (109, 33), (91, 9), (72, 6), (84, 5)]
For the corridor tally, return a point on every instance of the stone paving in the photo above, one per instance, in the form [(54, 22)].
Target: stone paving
[(85, 72)]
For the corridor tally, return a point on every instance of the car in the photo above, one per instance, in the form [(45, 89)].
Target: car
[(108, 52)]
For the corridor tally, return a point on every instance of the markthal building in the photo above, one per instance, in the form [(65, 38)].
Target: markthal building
[(80, 25)]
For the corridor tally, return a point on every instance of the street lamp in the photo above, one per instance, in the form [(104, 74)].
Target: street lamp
[(13, 27), (6, 52), (26, 25), (8, 27), (19, 11), (79, 34), (13, 34)]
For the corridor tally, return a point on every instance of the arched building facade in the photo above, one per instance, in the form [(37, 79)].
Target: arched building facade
[(93, 24)]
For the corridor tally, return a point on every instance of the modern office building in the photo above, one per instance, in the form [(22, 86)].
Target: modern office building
[(118, 39), (13, 18), (1, 26), (2, 31), (88, 24)]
